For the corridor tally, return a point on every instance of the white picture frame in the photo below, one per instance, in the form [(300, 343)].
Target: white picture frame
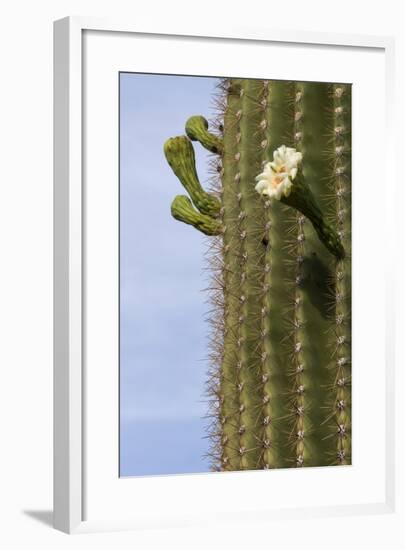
[(71, 435)]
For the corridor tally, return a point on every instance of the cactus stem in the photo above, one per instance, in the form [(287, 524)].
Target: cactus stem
[(271, 383)]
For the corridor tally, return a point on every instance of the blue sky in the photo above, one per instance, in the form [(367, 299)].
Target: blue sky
[(163, 336)]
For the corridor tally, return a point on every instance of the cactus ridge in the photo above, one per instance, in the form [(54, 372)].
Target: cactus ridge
[(278, 385), (341, 356)]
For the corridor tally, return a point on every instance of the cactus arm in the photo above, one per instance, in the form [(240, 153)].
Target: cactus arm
[(197, 130), (183, 210), (300, 357), (179, 153)]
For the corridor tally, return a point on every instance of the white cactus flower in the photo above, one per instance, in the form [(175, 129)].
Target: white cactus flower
[(277, 177)]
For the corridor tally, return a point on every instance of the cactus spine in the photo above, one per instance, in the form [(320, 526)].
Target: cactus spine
[(280, 384)]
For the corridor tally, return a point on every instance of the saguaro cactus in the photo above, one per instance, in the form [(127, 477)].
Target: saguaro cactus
[(279, 383)]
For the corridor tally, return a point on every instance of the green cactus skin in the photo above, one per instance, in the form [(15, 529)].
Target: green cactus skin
[(278, 125), (197, 130), (341, 343), (225, 387), (302, 199), (279, 386), (314, 276), (180, 156), (182, 209)]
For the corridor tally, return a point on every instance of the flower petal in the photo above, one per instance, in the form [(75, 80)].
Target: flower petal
[(261, 187), (287, 190), (278, 192), (277, 176)]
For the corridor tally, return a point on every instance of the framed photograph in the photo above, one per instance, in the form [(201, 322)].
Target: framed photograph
[(222, 324)]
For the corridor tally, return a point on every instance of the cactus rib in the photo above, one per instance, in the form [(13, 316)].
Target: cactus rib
[(229, 372), (341, 360), (277, 124)]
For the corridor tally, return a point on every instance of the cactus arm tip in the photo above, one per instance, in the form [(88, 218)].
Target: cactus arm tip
[(183, 210), (179, 153), (197, 130)]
